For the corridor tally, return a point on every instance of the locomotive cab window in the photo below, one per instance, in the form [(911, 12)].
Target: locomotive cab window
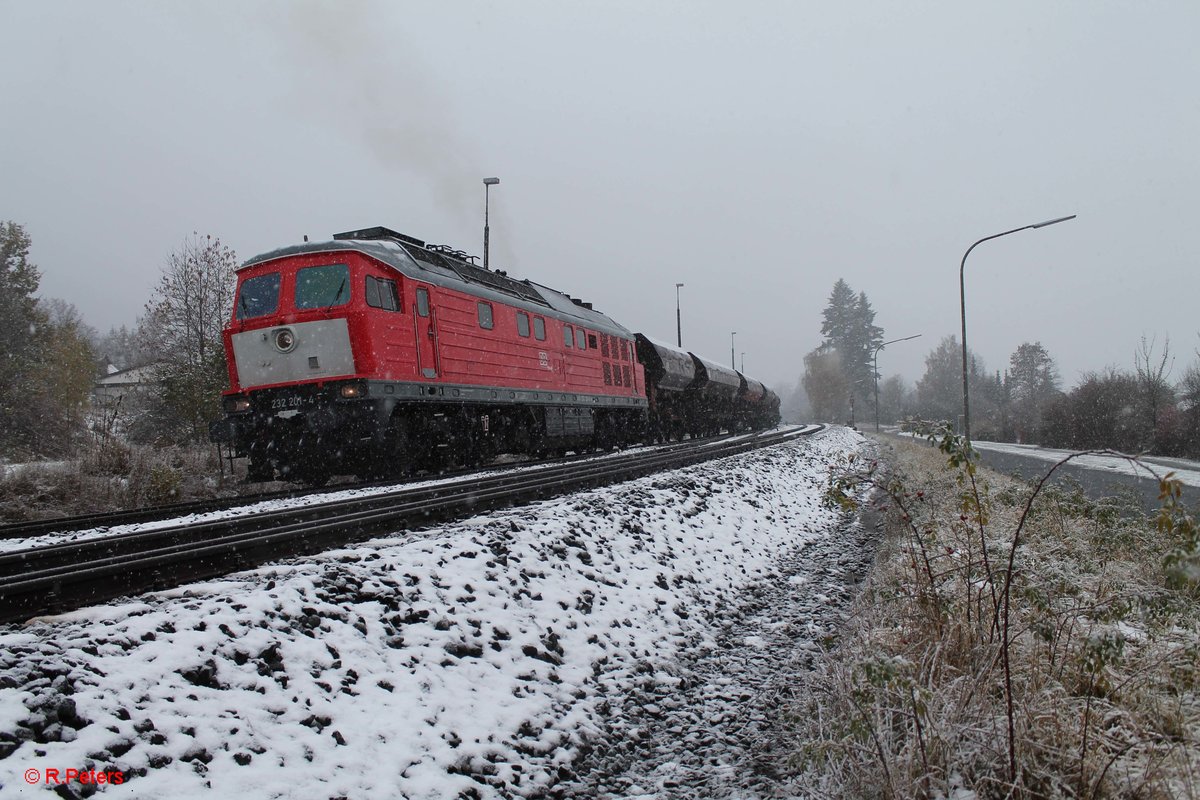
[(485, 316), (568, 336), (523, 323), (539, 329), (381, 293), (581, 339), (592, 340), (423, 302), (323, 287), (258, 296)]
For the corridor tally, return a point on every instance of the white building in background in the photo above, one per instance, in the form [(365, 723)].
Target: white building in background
[(119, 393)]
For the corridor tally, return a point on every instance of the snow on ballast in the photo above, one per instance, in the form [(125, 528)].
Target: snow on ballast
[(481, 655)]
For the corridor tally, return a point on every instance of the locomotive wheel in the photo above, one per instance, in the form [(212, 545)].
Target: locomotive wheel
[(390, 457), (260, 469), (315, 477)]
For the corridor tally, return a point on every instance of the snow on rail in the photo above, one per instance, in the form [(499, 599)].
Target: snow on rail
[(315, 499)]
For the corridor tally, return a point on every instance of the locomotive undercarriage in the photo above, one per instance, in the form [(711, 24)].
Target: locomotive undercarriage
[(378, 438)]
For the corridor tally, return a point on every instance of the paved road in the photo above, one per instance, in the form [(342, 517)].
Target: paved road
[(1095, 482)]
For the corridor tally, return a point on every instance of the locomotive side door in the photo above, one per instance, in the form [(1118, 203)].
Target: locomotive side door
[(425, 321)]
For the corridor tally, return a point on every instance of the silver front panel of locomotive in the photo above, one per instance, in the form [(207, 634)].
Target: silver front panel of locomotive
[(321, 350)]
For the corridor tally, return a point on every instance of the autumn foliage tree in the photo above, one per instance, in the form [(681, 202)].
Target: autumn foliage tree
[(45, 358), (826, 385), (19, 318)]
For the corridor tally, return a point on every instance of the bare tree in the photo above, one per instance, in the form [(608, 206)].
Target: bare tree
[(1156, 393), (182, 330)]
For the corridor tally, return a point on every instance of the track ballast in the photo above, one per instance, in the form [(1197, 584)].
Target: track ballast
[(60, 577)]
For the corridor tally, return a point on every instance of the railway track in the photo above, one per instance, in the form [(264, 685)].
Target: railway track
[(111, 519), (60, 577)]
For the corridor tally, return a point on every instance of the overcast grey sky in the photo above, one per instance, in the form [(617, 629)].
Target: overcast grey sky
[(754, 151)]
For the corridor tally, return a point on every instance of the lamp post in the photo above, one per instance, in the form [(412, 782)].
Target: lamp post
[(732, 358), (962, 301), (488, 183), (875, 371), (678, 322)]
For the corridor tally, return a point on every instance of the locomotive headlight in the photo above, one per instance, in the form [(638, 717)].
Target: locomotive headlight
[(285, 340), (352, 390), (236, 405)]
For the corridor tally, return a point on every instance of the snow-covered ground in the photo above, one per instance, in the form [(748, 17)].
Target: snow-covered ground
[(484, 658), (8, 470)]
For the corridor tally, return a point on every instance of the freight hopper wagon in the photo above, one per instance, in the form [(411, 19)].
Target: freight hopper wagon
[(375, 353), (692, 395)]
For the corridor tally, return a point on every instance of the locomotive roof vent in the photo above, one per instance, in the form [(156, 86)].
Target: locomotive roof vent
[(378, 232), (455, 261), (580, 303), (447, 250)]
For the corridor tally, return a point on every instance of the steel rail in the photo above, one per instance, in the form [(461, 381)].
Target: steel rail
[(67, 576), (111, 519), (45, 556)]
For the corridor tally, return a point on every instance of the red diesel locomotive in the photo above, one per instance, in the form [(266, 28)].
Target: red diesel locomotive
[(376, 353)]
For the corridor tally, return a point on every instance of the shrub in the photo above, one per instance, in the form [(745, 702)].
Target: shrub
[(1016, 640)]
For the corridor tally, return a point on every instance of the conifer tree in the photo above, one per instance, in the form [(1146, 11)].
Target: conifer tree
[(848, 325)]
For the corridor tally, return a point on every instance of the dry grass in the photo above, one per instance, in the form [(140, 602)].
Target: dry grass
[(111, 475), (1102, 690)]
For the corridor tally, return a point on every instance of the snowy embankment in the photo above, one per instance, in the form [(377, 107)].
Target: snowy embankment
[(474, 659)]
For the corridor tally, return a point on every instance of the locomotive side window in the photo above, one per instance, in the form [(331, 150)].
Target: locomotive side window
[(523, 323), (381, 293), (592, 340), (423, 302), (389, 295), (539, 329), (581, 339), (258, 296), (323, 287), (485, 316), (568, 336)]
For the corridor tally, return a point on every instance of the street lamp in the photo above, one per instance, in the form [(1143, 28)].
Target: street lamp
[(678, 322), (875, 371), (962, 300), (732, 359), (488, 183)]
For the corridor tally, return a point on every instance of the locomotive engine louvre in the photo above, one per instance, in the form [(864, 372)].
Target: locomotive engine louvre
[(375, 354)]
